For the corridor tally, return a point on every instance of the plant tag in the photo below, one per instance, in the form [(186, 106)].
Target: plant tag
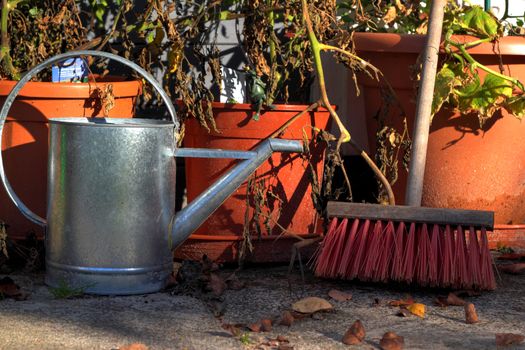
[(71, 70)]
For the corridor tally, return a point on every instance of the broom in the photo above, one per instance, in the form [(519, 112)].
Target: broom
[(445, 248)]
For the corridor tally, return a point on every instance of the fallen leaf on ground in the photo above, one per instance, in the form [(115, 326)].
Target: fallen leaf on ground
[(208, 265), (311, 305), (402, 302), (355, 334), (467, 293), (505, 339), (339, 296), (451, 300), (9, 289), (403, 313), (282, 339), (255, 327), (286, 319), (233, 329), (285, 347), (377, 302), (470, 314), (266, 325), (134, 346), (216, 284), (514, 269), (392, 341), (417, 309)]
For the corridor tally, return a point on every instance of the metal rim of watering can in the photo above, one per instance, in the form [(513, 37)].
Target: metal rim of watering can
[(55, 59)]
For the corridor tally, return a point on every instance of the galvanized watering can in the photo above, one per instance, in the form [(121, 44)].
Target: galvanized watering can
[(110, 224)]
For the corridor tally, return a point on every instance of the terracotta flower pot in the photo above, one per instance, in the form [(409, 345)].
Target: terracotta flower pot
[(285, 174), (24, 144), (467, 167)]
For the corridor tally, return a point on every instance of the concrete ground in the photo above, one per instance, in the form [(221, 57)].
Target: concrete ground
[(188, 319)]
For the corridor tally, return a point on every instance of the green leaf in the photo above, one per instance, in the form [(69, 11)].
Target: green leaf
[(484, 99), (224, 15), (516, 106), (445, 81), (150, 37), (481, 23)]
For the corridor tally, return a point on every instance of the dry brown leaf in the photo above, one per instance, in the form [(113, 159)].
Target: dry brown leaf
[(514, 269), (441, 302), (287, 319), (454, 300), (505, 339), (134, 346), (234, 283), (311, 305), (402, 302), (467, 293), (339, 296), (470, 314), (285, 347), (233, 329), (282, 339), (403, 313), (417, 309), (390, 15), (255, 327), (266, 325), (391, 341), (355, 334)]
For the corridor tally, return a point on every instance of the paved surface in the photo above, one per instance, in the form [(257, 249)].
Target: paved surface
[(168, 321)]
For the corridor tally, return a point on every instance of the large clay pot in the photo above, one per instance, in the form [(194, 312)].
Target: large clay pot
[(25, 141), (287, 176), (467, 167)]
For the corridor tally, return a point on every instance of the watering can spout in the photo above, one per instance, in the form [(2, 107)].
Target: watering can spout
[(187, 220)]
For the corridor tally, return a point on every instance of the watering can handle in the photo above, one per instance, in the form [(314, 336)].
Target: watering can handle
[(55, 59)]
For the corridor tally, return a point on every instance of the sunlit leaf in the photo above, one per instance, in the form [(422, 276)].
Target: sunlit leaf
[(445, 81), (516, 106), (481, 23)]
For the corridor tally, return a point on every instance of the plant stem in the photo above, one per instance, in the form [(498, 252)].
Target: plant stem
[(476, 64)]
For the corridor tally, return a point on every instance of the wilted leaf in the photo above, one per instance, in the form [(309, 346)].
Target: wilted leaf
[(391, 341), (233, 329), (282, 339), (390, 15), (470, 314), (339, 296), (255, 327), (310, 305), (515, 105), (480, 23), (445, 81), (505, 339), (234, 283), (417, 309), (454, 300), (355, 334)]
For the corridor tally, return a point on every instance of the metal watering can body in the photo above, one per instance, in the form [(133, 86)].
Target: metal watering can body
[(110, 224)]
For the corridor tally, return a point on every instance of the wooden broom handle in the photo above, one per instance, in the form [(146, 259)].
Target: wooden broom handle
[(418, 155)]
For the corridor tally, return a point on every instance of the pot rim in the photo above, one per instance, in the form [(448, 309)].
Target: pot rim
[(414, 43), (44, 89), (113, 122)]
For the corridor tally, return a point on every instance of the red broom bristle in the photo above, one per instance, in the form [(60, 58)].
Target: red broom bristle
[(359, 250), (487, 273), (349, 248), (338, 249), (422, 255), (433, 260), (448, 271), (385, 254), (323, 258), (410, 251), (474, 258), (463, 279), (398, 255), (373, 248)]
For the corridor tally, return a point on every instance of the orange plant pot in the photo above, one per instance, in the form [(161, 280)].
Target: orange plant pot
[(25, 139), (467, 167), (286, 175)]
